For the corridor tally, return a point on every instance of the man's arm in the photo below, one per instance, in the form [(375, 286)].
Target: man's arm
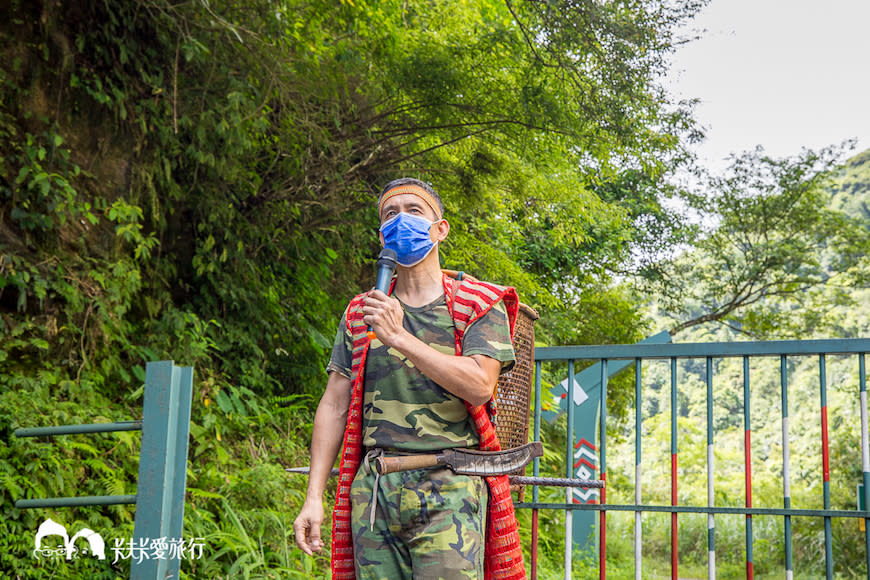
[(471, 378), (329, 426)]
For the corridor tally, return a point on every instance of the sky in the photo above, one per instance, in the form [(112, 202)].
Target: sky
[(784, 74)]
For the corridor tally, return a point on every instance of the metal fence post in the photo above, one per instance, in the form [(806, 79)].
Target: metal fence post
[(162, 465)]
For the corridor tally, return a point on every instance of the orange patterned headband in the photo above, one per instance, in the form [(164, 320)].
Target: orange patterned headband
[(413, 190)]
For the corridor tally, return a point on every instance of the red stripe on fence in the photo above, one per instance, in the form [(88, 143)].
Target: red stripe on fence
[(674, 537), (602, 527), (534, 575), (586, 462)]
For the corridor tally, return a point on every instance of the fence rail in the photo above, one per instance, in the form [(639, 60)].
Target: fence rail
[(708, 353), (162, 477)]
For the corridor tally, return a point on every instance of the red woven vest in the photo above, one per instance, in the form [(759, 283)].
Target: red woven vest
[(466, 302)]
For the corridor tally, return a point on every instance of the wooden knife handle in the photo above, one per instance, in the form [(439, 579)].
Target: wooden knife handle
[(386, 465)]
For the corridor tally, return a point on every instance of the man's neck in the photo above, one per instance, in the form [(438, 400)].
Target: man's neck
[(421, 284)]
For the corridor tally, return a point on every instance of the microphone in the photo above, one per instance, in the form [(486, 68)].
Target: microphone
[(386, 266)]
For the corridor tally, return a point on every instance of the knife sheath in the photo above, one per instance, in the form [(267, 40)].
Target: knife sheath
[(465, 461)]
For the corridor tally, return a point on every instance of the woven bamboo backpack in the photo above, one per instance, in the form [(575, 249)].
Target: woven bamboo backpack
[(513, 393)]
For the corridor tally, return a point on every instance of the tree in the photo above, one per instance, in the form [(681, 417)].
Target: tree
[(249, 140), (770, 243)]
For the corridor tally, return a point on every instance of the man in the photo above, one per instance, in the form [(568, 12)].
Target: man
[(424, 383)]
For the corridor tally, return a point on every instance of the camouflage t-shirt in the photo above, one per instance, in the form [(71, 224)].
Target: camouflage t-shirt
[(402, 408)]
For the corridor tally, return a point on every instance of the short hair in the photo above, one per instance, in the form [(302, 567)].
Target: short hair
[(412, 181)]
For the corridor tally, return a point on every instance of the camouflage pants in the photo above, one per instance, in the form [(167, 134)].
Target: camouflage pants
[(429, 524)]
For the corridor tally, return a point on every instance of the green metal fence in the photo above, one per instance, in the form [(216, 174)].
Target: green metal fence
[(643, 355), (162, 478)]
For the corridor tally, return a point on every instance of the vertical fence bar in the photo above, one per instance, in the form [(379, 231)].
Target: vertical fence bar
[(711, 469), (786, 470), (569, 472), (826, 467), (158, 513), (638, 423), (865, 455), (674, 536), (602, 462), (536, 469), (182, 442), (747, 450)]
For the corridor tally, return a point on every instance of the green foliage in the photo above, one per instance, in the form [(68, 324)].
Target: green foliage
[(245, 143), (63, 466), (774, 251), (851, 185)]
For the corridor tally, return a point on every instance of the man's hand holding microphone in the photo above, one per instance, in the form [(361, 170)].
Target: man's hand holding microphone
[(380, 310)]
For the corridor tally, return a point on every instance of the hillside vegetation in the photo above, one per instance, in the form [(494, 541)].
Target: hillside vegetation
[(851, 186)]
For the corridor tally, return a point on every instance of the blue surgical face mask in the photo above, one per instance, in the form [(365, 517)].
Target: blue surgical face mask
[(408, 236)]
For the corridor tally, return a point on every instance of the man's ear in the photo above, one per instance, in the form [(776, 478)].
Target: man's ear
[(440, 230), (381, 237)]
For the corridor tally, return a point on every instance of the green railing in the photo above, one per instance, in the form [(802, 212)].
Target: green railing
[(159, 498), (640, 355)]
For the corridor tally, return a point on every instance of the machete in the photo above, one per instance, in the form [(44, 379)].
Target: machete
[(465, 461)]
